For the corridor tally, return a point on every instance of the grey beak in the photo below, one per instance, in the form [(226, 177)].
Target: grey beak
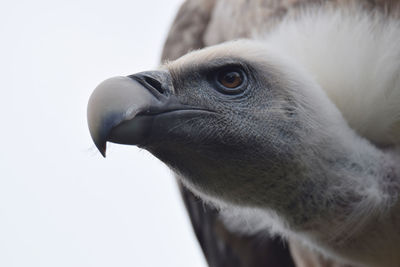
[(136, 110), (113, 101), (119, 100)]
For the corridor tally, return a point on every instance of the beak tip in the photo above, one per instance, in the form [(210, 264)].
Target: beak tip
[(103, 152), (102, 147)]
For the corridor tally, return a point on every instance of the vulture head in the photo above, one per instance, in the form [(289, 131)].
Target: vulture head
[(239, 122), (251, 131)]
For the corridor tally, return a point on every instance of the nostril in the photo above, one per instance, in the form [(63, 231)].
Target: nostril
[(155, 84)]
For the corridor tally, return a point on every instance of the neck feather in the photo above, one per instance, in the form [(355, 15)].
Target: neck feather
[(355, 57)]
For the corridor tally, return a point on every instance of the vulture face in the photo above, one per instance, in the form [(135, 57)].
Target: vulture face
[(232, 120)]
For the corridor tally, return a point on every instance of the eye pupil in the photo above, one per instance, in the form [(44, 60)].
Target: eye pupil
[(230, 79)]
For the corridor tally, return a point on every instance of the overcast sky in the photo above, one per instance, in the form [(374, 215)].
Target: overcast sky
[(61, 203)]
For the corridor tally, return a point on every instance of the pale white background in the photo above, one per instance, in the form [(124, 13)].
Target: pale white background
[(61, 203)]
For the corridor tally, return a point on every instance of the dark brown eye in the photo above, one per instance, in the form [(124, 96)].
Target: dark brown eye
[(230, 78)]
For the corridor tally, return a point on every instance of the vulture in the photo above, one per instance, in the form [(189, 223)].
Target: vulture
[(281, 121)]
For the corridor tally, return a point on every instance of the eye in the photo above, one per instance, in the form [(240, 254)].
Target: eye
[(230, 80)]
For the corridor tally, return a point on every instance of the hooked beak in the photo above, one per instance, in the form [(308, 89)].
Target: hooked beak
[(123, 109)]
